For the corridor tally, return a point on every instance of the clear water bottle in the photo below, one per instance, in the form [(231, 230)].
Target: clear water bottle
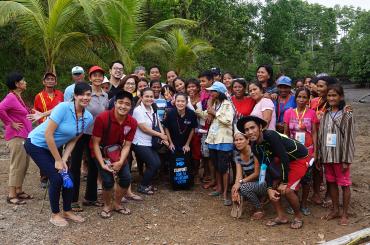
[(262, 176)]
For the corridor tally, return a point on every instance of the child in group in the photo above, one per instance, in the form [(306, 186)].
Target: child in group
[(301, 124), (336, 150)]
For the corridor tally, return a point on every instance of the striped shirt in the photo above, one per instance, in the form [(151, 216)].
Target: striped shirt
[(342, 125), (248, 167)]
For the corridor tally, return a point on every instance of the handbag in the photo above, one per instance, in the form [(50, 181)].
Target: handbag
[(110, 152), (156, 141)]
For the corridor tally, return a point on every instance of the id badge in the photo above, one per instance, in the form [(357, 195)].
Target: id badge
[(300, 137), (331, 140)]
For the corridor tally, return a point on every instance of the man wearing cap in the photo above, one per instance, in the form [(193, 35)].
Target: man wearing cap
[(116, 74), (78, 75), (47, 99), (285, 101), (44, 102), (285, 162)]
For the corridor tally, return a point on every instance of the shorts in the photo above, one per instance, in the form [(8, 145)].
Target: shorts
[(195, 146), (307, 178), (334, 174), (221, 160), (297, 170), (204, 146)]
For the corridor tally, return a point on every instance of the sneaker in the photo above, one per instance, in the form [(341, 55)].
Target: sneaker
[(44, 184)]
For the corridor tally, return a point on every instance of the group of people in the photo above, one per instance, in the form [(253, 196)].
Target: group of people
[(266, 137)]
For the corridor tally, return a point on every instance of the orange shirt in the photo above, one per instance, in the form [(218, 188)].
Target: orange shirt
[(316, 105), (43, 102)]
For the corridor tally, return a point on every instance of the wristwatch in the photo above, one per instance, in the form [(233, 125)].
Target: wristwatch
[(241, 181)]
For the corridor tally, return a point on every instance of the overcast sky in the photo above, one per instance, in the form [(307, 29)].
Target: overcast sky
[(364, 4)]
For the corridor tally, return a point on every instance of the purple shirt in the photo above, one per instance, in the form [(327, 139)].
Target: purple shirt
[(11, 110)]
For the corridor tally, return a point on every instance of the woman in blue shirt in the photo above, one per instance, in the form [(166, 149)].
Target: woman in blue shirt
[(67, 122)]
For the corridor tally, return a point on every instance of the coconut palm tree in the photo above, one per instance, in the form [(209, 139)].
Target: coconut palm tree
[(53, 28), (183, 51), (121, 22)]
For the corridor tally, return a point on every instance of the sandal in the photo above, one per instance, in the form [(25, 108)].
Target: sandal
[(92, 203), (77, 219), (258, 215), (105, 214), (24, 196), (15, 201), (214, 193), (134, 197), (276, 222), (76, 207), (59, 223), (152, 188), (123, 210), (296, 224), (208, 185), (227, 202), (144, 190)]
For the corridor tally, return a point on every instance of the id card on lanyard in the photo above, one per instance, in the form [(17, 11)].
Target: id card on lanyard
[(331, 138)]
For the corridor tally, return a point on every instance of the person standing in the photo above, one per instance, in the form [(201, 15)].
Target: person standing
[(154, 73), (336, 151), (220, 138), (98, 103), (243, 104), (285, 101), (78, 75), (116, 74), (114, 128), (66, 124), (43, 104), (13, 113)]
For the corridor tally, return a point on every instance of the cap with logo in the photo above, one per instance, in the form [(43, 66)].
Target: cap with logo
[(77, 70)]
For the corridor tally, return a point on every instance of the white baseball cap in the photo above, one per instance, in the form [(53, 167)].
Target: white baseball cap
[(77, 70)]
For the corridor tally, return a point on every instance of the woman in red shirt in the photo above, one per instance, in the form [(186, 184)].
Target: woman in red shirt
[(243, 104)]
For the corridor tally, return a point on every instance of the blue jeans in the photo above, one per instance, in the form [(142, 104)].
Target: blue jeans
[(150, 157), (46, 162), (123, 175)]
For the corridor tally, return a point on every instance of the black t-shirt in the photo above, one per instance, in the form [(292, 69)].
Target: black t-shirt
[(113, 91), (180, 127), (278, 145)]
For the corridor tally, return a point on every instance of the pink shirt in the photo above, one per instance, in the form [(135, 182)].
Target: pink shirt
[(261, 106), (11, 110), (308, 119)]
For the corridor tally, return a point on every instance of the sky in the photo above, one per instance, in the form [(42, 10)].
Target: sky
[(364, 4)]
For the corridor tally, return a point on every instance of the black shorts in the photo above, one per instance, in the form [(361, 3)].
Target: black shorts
[(221, 160)]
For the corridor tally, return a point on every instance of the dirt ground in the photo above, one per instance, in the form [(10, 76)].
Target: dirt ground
[(186, 217)]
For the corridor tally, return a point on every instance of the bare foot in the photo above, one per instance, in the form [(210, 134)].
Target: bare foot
[(331, 215), (316, 199), (344, 221), (71, 216)]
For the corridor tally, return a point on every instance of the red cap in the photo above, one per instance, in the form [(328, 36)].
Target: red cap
[(96, 68)]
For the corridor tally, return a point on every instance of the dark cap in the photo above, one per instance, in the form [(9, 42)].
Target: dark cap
[(242, 121), (47, 74), (216, 71)]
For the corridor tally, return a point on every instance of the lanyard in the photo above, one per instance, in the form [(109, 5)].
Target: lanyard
[(83, 121), (318, 106), (300, 118), (279, 110)]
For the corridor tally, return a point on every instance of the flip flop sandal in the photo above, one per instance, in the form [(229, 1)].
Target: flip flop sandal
[(92, 203), (23, 195), (17, 201), (296, 224), (152, 188), (257, 215), (76, 207), (124, 211), (234, 210), (59, 223), (227, 202), (105, 214), (240, 208), (146, 191), (76, 220), (276, 222), (214, 194), (134, 198)]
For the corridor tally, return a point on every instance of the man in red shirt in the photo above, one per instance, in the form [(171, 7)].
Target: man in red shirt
[(44, 102), (114, 127), (47, 99)]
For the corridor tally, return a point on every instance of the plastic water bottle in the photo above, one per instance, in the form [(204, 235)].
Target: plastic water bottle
[(262, 176)]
